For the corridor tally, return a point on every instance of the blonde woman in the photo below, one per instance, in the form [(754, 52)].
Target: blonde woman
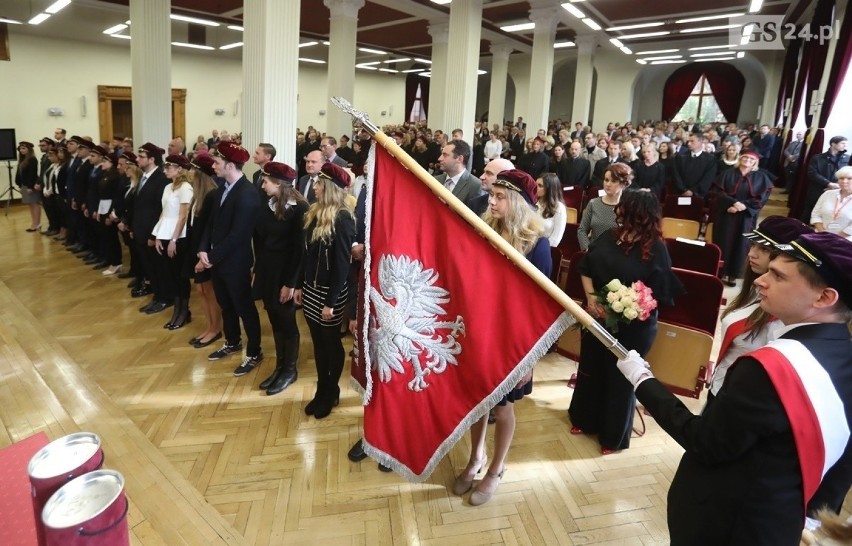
[(171, 242), (203, 200), (511, 214), (329, 234)]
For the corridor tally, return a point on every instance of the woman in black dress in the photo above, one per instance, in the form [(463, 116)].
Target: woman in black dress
[(281, 227), (740, 194), (329, 233), (603, 399), (203, 198), (26, 177), (511, 214)]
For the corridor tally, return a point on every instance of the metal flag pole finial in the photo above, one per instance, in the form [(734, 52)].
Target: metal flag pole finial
[(362, 117)]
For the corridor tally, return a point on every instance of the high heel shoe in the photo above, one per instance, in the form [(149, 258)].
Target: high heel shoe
[(32, 229), (608, 451), (462, 486), (181, 323), (576, 430), (479, 497)]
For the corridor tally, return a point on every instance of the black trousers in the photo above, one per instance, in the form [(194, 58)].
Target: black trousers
[(111, 244), (148, 257), (282, 318), (233, 292), (52, 211), (328, 356), (172, 283), (135, 266)]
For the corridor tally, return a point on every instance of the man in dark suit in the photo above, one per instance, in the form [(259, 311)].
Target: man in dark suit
[(226, 249), (763, 144), (213, 141), (147, 206), (578, 133), (263, 154), (774, 445), (76, 159), (516, 143), (612, 156), (694, 173), (456, 178), (579, 170), (822, 173), (344, 151), (78, 197), (313, 165), (328, 147)]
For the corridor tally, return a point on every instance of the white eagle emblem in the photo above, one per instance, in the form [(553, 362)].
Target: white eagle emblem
[(406, 325)]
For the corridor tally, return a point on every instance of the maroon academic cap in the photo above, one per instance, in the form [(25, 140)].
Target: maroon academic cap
[(26, 143), (279, 171), (519, 181), (231, 152), (100, 150), (48, 141), (129, 156), (204, 163), (830, 255), (336, 174), (176, 159), (778, 230), (151, 150)]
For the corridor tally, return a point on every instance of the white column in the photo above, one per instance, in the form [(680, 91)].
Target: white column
[(583, 79), (271, 75), (499, 74), (460, 100), (440, 32), (341, 62), (151, 72), (541, 67)]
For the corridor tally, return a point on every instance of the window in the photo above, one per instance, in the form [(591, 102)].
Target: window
[(418, 110), (701, 105)]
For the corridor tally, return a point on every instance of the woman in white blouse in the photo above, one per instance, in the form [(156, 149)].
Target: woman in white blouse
[(493, 148), (551, 207), (833, 211), (171, 242)]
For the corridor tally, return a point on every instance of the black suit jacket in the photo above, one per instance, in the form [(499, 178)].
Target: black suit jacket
[(695, 174), (311, 197), (574, 172), (148, 204), (227, 236), (739, 481), (600, 169)]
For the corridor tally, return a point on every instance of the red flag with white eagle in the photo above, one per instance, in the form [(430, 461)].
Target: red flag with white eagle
[(447, 324)]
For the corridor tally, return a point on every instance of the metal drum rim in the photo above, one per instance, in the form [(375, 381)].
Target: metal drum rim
[(77, 485), (67, 440)]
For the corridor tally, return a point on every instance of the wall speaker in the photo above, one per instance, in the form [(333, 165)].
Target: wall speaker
[(83, 106), (8, 145)]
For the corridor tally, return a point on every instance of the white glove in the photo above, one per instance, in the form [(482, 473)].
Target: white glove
[(635, 369)]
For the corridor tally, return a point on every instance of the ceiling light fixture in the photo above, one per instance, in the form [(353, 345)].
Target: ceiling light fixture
[(400, 60), (755, 6), (326, 43), (573, 11), (195, 20), (703, 48), (122, 36), (716, 54), (481, 72), (591, 23), (410, 70), (389, 70), (518, 27), (668, 62), (559, 45), (641, 61), (315, 61), (741, 54), (193, 46), (371, 63), (707, 18), (231, 46), (9, 21), (441, 1), (424, 61), (425, 74), (307, 44), (656, 51), (626, 50), (663, 57), (38, 19), (631, 27), (731, 58), (368, 50), (709, 29), (645, 35), (116, 28), (236, 27), (365, 67), (57, 6), (616, 42)]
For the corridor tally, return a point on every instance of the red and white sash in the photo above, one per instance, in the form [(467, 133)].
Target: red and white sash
[(813, 406)]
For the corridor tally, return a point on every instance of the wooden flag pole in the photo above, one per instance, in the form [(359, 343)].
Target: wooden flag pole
[(484, 230)]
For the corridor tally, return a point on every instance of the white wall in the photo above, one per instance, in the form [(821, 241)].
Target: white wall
[(45, 73), (613, 100)]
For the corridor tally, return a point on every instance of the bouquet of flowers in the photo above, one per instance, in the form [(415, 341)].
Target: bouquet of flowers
[(626, 303)]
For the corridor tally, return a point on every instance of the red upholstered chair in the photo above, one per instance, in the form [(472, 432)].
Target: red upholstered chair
[(569, 245), (693, 210), (694, 255), (573, 198), (680, 355)]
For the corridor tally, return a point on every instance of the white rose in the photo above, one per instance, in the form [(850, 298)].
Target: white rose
[(630, 313), (614, 285), (617, 307), (627, 300), (612, 297)]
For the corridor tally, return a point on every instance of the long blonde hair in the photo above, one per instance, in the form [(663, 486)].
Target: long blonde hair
[(324, 211), (134, 173), (202, 184), (522, 227)]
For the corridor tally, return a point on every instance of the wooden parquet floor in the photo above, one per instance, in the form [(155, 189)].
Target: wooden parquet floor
[(210, 459)]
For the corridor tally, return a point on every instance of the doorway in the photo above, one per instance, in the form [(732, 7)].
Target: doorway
[(115, 112)]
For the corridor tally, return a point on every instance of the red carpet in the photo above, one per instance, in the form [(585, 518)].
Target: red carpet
[(16, 509)]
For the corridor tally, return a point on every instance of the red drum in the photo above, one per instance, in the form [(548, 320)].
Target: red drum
[(57, 463), (88, 511)]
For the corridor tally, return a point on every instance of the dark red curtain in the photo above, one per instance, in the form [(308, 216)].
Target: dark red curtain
[(411, 83), (726, 82), (788, 80), (813, 63)]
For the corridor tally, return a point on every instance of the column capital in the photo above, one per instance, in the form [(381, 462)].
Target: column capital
[(545, 18), (344, 8), (501, 50), (439, 31), (586, 43)]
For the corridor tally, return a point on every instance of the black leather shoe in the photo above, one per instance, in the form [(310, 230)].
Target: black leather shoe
[(384, 468), (356, 452), (276, 373), (100, 265), (200, 344), (91, 261), (144, 308), (157, 307), (140, 292)]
